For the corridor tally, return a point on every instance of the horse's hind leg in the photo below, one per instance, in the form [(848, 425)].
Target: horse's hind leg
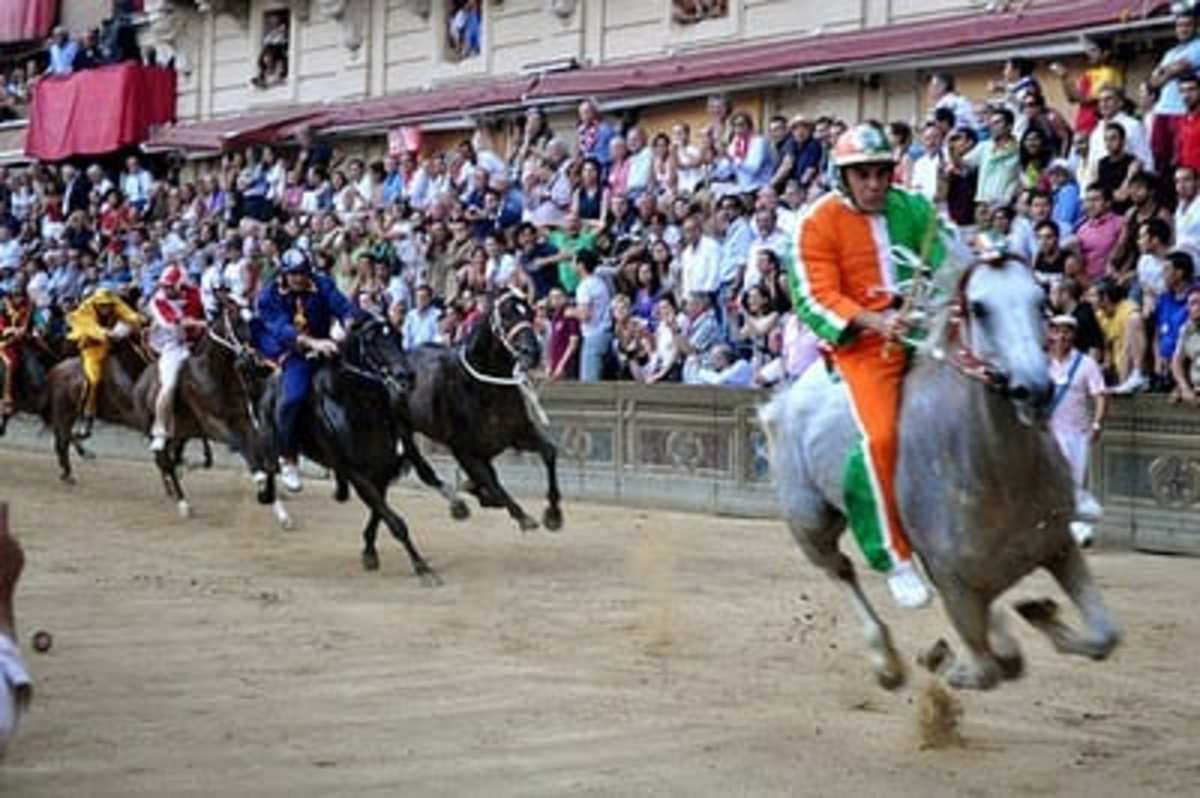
[(62, 448), (819, 543), (1101, 634), (425, 472), (170, 477)]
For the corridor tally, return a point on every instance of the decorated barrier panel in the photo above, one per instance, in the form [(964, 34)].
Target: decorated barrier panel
[(701, 450)]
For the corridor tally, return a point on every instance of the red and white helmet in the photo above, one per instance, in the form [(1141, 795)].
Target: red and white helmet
[(172, 277)]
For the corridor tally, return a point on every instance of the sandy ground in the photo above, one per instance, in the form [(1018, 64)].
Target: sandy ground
[(634, 653)]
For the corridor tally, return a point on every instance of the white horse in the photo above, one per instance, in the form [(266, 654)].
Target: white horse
[(985, 493)]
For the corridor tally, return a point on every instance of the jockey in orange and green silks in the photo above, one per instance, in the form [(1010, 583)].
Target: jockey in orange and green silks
[(853, 248)]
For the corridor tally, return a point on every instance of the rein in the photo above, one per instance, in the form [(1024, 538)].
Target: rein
[(958, 335), (519, 380)]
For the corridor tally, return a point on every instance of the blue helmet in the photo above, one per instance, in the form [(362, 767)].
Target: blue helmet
[(296, 262)]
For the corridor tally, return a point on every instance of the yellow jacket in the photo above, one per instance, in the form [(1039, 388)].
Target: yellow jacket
[(84, 322)]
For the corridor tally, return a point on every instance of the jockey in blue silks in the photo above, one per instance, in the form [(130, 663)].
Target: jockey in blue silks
[(296, 313)]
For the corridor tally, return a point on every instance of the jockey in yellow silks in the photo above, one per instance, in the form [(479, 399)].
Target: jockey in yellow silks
[(100, 319), (853, 248)]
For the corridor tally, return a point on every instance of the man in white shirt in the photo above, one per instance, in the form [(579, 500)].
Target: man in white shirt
[(421, 323), (135, 184), (10, 250), (927, 169), (592, 300), (1187, 211), (641, 163), (767, 235), (1136, 142), (726, 369), (700, 260)]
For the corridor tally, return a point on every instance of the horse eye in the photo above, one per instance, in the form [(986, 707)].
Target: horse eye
[(978, 310)]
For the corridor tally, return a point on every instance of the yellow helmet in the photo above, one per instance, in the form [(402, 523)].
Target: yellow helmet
[(104, 297)]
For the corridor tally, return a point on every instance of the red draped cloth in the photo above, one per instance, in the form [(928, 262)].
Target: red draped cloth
[(98, 110), (26, 20)]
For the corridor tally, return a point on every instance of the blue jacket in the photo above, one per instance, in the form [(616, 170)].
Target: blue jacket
[(279, 312)]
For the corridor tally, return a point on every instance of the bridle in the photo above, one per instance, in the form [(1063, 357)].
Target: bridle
[(378, 371), (960, 338), (519, 379), (506, 338)]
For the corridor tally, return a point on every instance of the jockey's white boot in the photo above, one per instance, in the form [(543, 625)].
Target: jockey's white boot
[(907, 586), (1087, 508), (158, 443), (289, 475)]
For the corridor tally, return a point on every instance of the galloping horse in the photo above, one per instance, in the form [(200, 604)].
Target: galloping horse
[(123, 367), (351, 429), (985, 493), (476, 401), (213, 402)]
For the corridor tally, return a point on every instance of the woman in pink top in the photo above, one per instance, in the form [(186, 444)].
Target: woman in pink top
[(1099, 233), (1077, 408)]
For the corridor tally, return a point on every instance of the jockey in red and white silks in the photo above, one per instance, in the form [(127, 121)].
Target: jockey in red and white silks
[(176, 316)]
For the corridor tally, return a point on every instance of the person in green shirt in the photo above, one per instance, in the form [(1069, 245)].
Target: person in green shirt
[(568, 240)]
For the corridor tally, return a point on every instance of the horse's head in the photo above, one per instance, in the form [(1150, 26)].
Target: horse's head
[(377, 348), (512, 324), (1004, 328)]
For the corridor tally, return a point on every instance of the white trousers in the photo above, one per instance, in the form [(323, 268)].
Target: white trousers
[(170, 363), (1075, 446), (15, 690)]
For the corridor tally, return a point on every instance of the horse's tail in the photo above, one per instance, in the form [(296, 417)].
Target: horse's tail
[(770, 416)]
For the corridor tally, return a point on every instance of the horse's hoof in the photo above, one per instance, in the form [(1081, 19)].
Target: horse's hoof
[(1012, 667), (552, 519), (527, 524), (938, 655), (341, 493), (264, 497), (370, 561), (429, 578), (67, 478), (968, 675), (86, 454), (459, 510), (185, 509), (891, 678)]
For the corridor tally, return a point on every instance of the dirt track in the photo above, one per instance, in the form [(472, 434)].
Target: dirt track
[(634, 653)]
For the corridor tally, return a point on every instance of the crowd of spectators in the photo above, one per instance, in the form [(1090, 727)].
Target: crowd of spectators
[(663, 256)]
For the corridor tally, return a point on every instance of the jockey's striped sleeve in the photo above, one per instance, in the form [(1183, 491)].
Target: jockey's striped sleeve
[(816, 273)]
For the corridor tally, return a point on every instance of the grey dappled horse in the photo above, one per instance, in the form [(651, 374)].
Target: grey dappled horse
[(985, 494)]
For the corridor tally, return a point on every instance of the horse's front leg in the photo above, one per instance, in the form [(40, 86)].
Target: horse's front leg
[(375, 497), (165, 460), (976, 668), (552, 517), (1101, 635), (483, 474)]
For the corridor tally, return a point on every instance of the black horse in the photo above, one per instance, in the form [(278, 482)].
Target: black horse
[(476, 401), (349, 427)]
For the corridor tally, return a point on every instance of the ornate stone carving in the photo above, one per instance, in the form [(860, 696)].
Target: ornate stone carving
[(422, 8), (563, 9), (345, 12), (167, 29), (686, 449), (1175, 481), (238, 9)]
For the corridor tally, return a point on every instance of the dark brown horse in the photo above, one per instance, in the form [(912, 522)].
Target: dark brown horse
[(476, 401)]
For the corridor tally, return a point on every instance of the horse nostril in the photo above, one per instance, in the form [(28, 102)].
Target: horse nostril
[(1020, 393)]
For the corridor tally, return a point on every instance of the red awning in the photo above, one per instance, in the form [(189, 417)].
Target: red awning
[(413, 106), (229, 132), (26, 20), (98, 110), (965, 31)]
